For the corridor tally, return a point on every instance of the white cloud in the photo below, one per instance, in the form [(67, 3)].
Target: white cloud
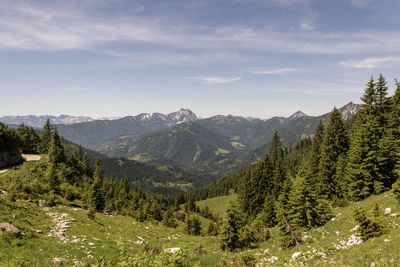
[(215, 79), (274, 71), (371, 62), (30, 27)]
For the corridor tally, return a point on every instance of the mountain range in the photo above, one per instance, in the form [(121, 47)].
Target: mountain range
[(39, 121), (177, 144), (216, 145)]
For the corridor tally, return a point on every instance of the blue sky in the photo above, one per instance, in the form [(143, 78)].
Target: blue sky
[(245, 57)]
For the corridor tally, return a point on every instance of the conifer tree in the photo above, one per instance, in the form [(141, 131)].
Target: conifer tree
[(289, 233), (230, 230), (303, 202), (278, 165), (56, 149), (396, 191), (370, 162), (29, 139), (169, 220), (52, 178), (96, 196), (45, 136), (335, 143), (193, 225), (368, 227), (316, 150)]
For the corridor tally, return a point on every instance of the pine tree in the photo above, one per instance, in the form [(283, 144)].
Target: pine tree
[(368, 227), (370, 158), (395, 129), (278, 165), (289, 233), (303, 202), (230, 230), (212, 229), (29, 139), (45, 136), (52, 178), (396, 191), (169, 220), (335, 143), (193, 225), (96, 196), (316, 150), (56, 149)]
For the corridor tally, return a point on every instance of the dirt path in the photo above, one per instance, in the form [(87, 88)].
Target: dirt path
[(27, 157)]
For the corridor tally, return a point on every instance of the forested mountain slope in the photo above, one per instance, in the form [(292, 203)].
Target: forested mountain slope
[(218, 145)]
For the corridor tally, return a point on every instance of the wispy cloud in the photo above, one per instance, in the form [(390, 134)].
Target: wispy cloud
[(361, 3), (29, 27), (215, 79), (371, 62), (274, 71)]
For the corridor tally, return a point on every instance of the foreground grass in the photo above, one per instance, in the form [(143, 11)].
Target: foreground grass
[(112, 236)]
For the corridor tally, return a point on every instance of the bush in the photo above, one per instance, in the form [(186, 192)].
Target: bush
[(193, 225)]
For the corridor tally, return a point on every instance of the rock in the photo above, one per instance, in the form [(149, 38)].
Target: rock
[(297, 254), (172, 250), (59, 261), (4, 193), (91, 244), (39, 231), (386, 240), (388, 211), (8, 227), (77, 264), (355, 228), (352, 241)]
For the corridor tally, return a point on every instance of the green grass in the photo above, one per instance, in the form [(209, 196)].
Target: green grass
[(107, 233), (217, 205)]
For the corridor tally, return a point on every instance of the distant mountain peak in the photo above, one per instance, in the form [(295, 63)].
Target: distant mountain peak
[(182, 115), (297, 114), (349, 110)]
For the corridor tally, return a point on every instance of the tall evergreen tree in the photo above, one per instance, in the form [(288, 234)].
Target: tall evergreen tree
[(335, 143), (96, 194), (303, 201), (56, 149), (45, 136), (370, 158), (316, 149), (230, 230), (278, 165), (394, 126)]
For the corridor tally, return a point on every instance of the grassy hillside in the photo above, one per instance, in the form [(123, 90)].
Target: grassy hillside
[(64, 233), (217, 205)]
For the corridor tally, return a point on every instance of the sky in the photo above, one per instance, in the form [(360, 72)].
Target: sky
[(258, 58)]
